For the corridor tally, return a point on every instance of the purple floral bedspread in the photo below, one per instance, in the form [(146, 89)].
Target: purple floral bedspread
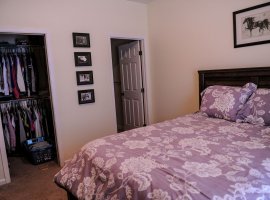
[(190, 157)]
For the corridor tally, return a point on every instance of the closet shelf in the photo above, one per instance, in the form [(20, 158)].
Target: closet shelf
[(20, 45), (23, 99)]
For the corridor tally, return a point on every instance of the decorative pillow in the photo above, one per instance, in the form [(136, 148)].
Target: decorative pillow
[(225, 101), (257, 108)]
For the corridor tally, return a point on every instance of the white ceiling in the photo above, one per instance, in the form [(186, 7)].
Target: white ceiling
[(142, 1)]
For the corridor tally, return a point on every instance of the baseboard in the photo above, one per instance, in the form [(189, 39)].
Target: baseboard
[(3, 181)]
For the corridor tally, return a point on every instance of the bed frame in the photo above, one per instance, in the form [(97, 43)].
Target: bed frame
[(231, 77), (70, 196), (234, 77)]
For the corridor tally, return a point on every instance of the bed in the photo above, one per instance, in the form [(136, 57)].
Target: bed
[(204, 155)]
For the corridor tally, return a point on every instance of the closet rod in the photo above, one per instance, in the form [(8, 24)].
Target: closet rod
[(20, 49), (24, 99)]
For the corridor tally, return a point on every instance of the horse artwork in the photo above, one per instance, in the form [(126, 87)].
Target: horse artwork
[(252, 24)]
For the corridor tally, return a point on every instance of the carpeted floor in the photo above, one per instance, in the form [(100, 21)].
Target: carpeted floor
[(31, 182)]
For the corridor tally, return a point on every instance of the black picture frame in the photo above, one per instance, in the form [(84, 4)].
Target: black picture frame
[(86, 96), (81, 40), (84, 77), (251, 26), (82, 59)]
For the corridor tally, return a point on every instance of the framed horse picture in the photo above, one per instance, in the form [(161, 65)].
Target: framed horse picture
[(252, 25), (81, 39), (84, 77), (86, 96), (82, 59)]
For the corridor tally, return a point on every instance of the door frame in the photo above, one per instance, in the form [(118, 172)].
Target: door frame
[(3, 158), (144, 72)]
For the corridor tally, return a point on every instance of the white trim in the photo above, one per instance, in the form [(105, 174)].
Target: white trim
[(54, 98), (2, 182), (3, 156), (145, 84), (144, 69)]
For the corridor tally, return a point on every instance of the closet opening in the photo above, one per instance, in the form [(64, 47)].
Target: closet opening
[(27, 116)]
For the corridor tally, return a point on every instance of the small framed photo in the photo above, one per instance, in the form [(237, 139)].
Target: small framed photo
[(86, 96), (81, 39), (82, 59), (251, 26), (84, 77)]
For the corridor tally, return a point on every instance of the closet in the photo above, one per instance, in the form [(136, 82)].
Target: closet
[(25, 98)]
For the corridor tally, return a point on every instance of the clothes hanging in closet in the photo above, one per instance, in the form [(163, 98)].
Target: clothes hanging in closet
[(18, 74), (21, 121)]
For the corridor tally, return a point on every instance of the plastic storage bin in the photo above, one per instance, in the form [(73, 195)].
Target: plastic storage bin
[(38, 150)]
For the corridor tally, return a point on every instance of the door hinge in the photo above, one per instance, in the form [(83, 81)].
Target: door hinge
[(142, 90), (140, 53), (122, 94)]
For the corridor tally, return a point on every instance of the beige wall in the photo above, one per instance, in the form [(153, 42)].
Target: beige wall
[(189, 35), (77, 124)]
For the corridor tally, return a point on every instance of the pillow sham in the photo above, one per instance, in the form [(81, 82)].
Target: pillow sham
[(257, 108), (225, 101)]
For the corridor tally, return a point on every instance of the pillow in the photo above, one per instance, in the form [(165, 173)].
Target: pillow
[(225, 101), (257, 108)]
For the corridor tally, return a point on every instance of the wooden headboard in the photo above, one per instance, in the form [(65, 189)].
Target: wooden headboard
[(234, 77)]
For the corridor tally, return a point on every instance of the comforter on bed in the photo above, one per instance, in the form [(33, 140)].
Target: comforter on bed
[(190, 157)]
